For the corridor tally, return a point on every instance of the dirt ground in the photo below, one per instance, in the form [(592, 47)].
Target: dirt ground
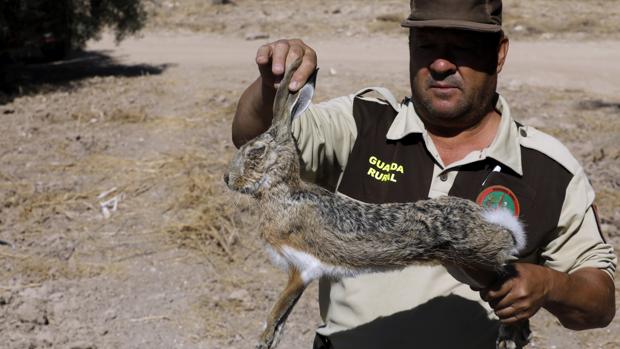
[(116, 230)]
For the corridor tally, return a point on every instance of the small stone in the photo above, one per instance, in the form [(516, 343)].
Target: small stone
[(238, 295), (547, 36), (5, 297), (29, 312), (256, 36), (110, 315)]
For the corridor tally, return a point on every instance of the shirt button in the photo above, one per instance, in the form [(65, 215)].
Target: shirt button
[(443, 177), (523, 133)]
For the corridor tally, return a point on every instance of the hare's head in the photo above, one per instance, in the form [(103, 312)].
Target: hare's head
[(261, 163), (271, 158)]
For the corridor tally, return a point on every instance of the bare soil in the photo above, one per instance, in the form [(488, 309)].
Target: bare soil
[(116, 228)]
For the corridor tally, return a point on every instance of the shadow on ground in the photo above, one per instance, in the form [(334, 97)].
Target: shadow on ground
[(19, 78)]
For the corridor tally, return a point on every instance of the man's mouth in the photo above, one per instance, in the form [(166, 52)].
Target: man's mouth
[(441, 86)]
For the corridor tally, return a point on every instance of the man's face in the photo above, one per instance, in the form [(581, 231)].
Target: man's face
[(453, 75)]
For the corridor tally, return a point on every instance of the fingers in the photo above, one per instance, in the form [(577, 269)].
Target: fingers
[(307, 67), (513, 315), (511, 301), (280, 52), (517, 312), (263, 60), (496, 293), (273, 58)]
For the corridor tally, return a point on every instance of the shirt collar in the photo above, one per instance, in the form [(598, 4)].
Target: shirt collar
[(505, 148)]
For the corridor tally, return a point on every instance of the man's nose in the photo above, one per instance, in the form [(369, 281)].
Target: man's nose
[(442, 67)]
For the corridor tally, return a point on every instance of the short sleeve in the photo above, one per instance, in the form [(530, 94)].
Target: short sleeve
[(579, 242), (325, 135)]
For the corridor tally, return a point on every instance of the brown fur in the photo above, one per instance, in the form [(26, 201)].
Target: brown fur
[(356, 237)]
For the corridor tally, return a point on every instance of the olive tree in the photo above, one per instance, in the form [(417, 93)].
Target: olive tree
[(59, 25)]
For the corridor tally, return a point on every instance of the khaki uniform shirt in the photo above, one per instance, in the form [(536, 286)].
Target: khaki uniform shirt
[(386, 304)]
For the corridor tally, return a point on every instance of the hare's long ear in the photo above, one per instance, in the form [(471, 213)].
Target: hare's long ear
[(286, 106), (303, 97)]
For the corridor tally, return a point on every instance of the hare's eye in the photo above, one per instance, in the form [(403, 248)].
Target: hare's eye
[(256, 152)]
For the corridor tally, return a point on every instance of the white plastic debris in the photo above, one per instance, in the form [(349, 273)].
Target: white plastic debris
[(110, 205)]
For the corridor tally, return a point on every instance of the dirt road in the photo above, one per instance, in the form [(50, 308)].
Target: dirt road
[(590, 66)]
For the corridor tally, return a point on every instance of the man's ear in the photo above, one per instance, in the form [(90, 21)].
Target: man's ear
[(502, 52)]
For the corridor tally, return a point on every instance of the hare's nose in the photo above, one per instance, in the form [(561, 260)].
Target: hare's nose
[(226, 178)]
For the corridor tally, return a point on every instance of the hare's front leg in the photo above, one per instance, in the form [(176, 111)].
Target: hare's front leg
[(280, 311)]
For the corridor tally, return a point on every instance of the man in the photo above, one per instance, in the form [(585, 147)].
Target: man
[(454, 136)]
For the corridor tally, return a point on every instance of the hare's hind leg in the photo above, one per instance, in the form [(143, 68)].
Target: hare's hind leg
[(514, 336), (280, 311)]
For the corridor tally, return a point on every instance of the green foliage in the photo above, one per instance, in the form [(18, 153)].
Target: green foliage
[(124, 16), (23, 22)]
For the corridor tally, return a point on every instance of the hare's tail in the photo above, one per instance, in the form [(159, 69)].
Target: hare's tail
[(506, 219)]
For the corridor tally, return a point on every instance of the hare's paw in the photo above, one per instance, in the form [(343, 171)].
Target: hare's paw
[(265, 342), (506, 344), (514, 336), (262, 346), (270, 337)]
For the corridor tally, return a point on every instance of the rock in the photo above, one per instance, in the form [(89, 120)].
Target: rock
[(239, 295), (110, 315), (32, 312), (256, 36), (5, 297), (242, 298)]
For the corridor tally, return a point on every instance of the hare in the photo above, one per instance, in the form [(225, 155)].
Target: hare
[(312, 232)]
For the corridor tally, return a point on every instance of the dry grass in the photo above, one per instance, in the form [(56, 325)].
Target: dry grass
[(207, 217), (37, 269)]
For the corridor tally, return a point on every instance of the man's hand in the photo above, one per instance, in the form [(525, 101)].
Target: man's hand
[(521, 296), (581, 300), (254, 110), (273, 58)]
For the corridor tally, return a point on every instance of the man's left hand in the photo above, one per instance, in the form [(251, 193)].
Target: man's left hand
[(521, 296)]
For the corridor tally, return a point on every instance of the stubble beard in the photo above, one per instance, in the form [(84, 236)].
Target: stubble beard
[(467, 112)]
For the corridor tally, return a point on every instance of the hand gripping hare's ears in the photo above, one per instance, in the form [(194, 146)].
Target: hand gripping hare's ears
[(311, 232)]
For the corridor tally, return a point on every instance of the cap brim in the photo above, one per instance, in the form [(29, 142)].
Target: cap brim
[(452, 24)]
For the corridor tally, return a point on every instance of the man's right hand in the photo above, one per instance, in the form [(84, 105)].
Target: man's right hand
[(272, 59), (254, 110)]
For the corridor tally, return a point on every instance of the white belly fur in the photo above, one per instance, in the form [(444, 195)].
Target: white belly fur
[(311, 268)]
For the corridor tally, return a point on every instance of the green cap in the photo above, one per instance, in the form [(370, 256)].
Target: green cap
[(475, 15)]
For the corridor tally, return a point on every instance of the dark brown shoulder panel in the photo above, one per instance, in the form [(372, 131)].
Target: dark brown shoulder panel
[(537, 196), (379, 170)]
